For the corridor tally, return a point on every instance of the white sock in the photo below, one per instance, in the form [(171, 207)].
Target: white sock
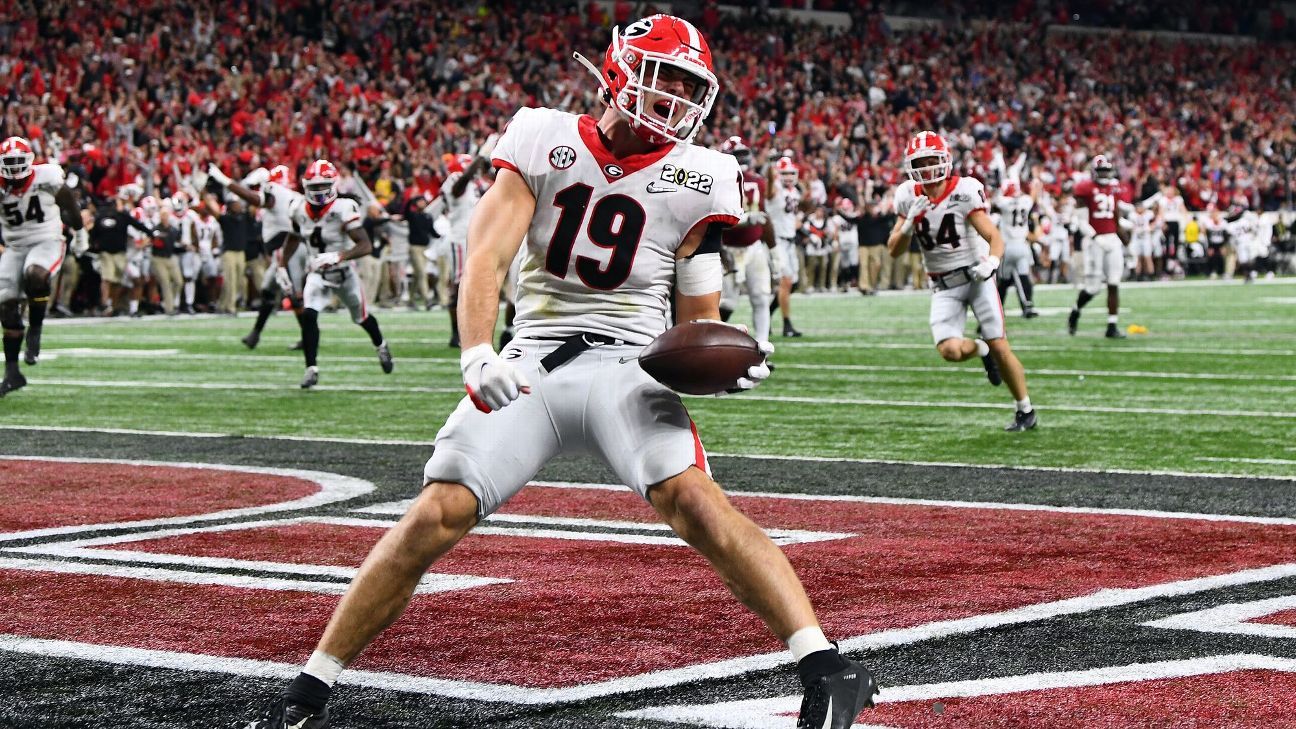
[(189, 289), (134, 306), (806, 641), (1023, 405), (761, 319), (324, 667), (1112, 318), (982, 348)]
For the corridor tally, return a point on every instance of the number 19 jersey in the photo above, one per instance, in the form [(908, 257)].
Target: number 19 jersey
[(600, 251), (948, 241)]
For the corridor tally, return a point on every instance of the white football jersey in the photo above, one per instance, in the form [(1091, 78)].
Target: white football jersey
[(782, 209), (459, 209), (206, 233), (847, 230), (327, 229), (30, 215), (600, 251), (948, 241), (1015, 217), (278, 215), (1143, 224)]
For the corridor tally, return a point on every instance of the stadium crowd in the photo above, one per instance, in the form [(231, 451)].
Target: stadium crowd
[(391, 89)]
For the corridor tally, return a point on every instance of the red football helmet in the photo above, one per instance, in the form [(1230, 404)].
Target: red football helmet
[(738, 148), (1011, 188), (15, 158), (319, 184), (1102, 169), (457, 162), (931, 149), (281, 175), (786, 170), (642, 66)]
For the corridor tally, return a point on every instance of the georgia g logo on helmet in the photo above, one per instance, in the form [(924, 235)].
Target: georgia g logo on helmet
[(319, 184), (15, 158), (658, 73)]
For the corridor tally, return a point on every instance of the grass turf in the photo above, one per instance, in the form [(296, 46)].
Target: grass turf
[(1210, 388)]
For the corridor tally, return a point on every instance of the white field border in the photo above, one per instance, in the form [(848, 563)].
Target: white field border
[(1101, 599)]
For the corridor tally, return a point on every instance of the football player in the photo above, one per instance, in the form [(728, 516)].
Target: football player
[(617, 212), (459, 195), (332, 229), (1015, 206), (139, 255), (1104, 253), (748, 245), (274, 193), (947, 216), (783, 196), (35, 204)]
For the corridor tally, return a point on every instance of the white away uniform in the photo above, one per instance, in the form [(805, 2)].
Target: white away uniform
[(206, 237), (276, 221), (1144, 239), (598, 271), (324, 231), (1014, 223), (950, 247), (782, 210), (458, 211), (139, 254), (33, 229)]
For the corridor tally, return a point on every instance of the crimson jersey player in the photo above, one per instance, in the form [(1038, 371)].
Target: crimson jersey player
[(746, 246), (1104, 254)]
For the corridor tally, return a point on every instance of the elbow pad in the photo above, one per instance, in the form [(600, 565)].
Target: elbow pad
[(699, 274)]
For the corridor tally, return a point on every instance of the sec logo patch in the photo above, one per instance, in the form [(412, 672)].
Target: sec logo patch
[(562, 157)]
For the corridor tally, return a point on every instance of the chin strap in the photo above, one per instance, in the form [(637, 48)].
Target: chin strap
[(607, 93)]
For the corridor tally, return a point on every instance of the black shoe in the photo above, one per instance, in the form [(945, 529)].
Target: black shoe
[(992, 370), (282, 715), (1022, 421), (385, 358), (790, 331), (311, 379), (1029, 313), (12, 381), (251, 340), (297, 347), (833, 701), (1073, 322), (1114, 332), (454, 341), (31, 355)]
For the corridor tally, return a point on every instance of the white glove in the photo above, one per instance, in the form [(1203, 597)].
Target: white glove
[(259, 176), (755, 217), (491, 382), (325, 261), (216, 174), (756, 374), (284, 280), (488, 146), (80, 243), (985, 270), (921, 205)]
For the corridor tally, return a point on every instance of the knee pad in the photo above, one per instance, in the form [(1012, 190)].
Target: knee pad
[(37, 283), (11, 315)]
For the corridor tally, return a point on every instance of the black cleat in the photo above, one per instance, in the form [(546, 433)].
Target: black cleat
[(1114, 332), (251, 340), (311, 379), (31, 355), (833, 701), (1073, 322), (454, 341), (282, 715), (12, 381), (385, 358), (790, 331), (992, 370), (297, 347), (1022, 421), (1029, 313)]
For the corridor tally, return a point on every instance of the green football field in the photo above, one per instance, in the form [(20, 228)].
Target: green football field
[(1210, 388)]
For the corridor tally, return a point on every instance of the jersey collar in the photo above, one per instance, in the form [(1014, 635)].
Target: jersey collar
[(26, 185), (310, 213), (589, 134), (952, 183)]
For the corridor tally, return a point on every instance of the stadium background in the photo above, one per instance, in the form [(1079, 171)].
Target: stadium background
[(1193, 417)]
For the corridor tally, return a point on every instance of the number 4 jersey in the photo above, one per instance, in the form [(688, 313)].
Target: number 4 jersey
[(948, 241), (327, 228), (600, 252), (30, 214)]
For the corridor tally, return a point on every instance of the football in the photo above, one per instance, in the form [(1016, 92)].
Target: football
[(700, 358)]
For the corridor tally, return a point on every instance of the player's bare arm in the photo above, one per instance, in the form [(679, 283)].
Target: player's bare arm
[(988, 230), (499, 223), (898, 241), (69, 211), (363, 246)]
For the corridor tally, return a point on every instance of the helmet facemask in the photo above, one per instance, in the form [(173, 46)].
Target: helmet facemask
[(15, 164), (929, 166), (656, 113), (320, 191)]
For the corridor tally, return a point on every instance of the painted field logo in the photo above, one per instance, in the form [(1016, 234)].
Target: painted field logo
[(580, 592)]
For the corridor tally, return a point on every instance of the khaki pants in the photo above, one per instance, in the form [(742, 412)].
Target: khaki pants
[(834, 268), (69, 277), (816, 268), (872, 261), (111, 267), (169, 280), (256, 268), (804, 283), (916, 270), (234, 269), (419, 284), (370, 271)]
